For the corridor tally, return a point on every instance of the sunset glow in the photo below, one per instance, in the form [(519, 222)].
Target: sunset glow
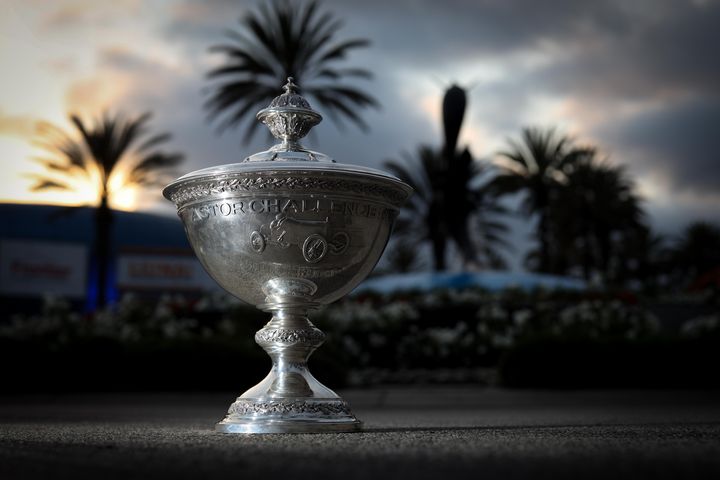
[(56, 72), (122, 195), (83, 191), (624, 85)]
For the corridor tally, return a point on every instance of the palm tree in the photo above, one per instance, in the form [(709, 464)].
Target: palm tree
[(644, 256), (596, 218), (279, 40), (451, 201), (401, 256), (106, 148), (457, 206), (696, 253), (535, 165)]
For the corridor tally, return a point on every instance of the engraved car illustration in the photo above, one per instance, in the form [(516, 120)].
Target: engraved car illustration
[(312, 236)]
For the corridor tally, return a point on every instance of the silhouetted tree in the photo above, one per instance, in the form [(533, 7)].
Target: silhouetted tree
[(696, 254), (595, 216), (454, 103), (535, 166), (472, 211), (451, 200), (645, 255), (401, 256), (102, 147), (284, 39)]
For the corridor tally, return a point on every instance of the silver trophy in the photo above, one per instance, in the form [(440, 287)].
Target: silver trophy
[(288, 230)]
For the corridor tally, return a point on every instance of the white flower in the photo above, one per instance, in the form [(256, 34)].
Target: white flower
[(700, 326)]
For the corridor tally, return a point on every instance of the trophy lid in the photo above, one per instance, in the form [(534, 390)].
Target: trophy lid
[(289, 118)]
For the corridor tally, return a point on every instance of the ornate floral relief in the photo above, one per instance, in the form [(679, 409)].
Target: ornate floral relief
[(209, 188), (283, 335), (301, 407)]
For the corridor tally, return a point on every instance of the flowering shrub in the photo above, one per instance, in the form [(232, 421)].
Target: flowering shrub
[(56, 323), (598, 319), (128, 321), (457, 334), (436, 325), (704, 326), (471, 329)]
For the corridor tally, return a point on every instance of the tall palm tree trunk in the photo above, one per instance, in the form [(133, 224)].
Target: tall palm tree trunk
[(605, 248), (104, 144), (587, 245), (439, 252), (103, 225), (438, 232), (453, 107), (544, 240)]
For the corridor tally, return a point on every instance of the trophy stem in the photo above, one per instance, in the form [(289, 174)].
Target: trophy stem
[(289, 339), (289, 399)]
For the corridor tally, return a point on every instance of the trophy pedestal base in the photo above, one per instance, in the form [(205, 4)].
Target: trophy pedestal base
[(291, 426), (301, 415), (289, 399)]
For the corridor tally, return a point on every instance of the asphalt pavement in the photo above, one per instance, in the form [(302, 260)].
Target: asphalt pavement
[(413, 433)]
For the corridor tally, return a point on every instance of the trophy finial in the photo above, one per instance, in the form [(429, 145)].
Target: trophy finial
[(290, 86), (289, 117)]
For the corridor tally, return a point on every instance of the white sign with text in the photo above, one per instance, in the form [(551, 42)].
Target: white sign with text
[(162, 272), (35, 268)]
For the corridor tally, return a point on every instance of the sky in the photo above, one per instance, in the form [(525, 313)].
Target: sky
[(640, 79)]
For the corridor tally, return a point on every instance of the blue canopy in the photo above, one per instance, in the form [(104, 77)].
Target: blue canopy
[(488, 280)]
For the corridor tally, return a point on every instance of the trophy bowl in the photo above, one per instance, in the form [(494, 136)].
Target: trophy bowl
[(288, 230)]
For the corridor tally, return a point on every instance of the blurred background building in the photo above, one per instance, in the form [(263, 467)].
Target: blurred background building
[(47, 250)]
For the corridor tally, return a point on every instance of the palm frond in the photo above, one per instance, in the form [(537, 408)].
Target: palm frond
[(340, 50), (128, 133), (49, 184), (147, 170), (153, 142), (452, 200), (402, 172), (340, 103), (276, 40), (337, 73), (56, 166), (506, 183), (58, 143), (235, 100), (103, 144)]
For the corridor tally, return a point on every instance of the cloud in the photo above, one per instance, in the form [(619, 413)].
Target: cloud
[(590, 65), (65, 16), (664, 59), (17, 125), (124, 79), (71, 15), (680, 139), (638, 77), (61, 66), (99, 92), (203, 20), (431, 33), (674, 214), (122, 60)]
